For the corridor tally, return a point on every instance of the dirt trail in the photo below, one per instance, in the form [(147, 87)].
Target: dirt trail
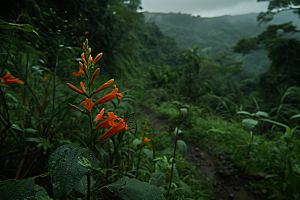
[(227, 181)]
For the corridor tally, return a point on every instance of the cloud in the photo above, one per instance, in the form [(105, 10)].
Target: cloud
[(205, 8)]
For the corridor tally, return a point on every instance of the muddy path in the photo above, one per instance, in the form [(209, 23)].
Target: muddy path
[(227, 182)]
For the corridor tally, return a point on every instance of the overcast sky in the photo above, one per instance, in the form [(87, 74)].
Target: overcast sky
[(205, 8)]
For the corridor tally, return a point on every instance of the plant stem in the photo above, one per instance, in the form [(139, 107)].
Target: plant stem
[(8, 120), (88, 186), (91, 139), (138, 165), (248, 154), (54, 75), (286, 154), (22, 77), (174, 154)]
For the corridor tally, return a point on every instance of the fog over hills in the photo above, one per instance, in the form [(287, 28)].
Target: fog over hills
[(218, 34)]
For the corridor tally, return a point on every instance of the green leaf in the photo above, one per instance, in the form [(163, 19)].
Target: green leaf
[(244, 113), (185, 187), (295, 117), (275, 123), (41, 193), (292, 176), (23, 27), (183, 111), (82, 185), (3, 85), (41, 142), (148, 153), (132, 189), (19, 189), (271, 176), (104, 155), (182, 147), (158, 179), (136, 142), (67, 165), (261, 114), (249, 124)]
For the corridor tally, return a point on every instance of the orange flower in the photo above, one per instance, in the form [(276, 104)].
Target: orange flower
[(7, 76), (10, 79), (146, 140), (108, 97), (72, 87), (108, 122), (16, 80), (44, 79), (98, 57), (82, 87), (114, 130), (86, 32), (79, 73), (104, 86), (120, 96), (95, 74), (83, 57), (100, 115), (90, 58), (88, 104)]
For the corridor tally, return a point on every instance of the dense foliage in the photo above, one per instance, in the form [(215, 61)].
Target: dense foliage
[(68, 130)]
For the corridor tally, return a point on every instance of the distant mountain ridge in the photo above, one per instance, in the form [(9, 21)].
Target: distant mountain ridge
[(216, 34)]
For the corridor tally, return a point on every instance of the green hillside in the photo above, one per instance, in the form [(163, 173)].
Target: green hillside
[(217, 34)]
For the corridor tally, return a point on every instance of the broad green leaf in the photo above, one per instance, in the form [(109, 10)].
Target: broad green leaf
[(67, 165), (158, 179), (132, 189), (183, 111), (261, 114), (182, 147), (82, 185), (136, 142), (41, 193), (185, 187), (19, 189), (249, 124), (148, 153)]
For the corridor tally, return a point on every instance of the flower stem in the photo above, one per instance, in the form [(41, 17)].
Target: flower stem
[(91, 139), (88, 186), (138, 165), (174, 154)]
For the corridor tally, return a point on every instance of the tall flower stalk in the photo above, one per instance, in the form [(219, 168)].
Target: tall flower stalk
[(86, 68)]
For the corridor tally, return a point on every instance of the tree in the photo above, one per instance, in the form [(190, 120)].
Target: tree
[(283, 47)]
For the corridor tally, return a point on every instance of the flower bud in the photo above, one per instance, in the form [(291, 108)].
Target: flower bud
[(98, 57)]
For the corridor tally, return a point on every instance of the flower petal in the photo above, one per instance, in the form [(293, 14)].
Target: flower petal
[(95, 74), (72, 87), (100, 115), (98, 57), (7, 76), (16, 80), (88, 104), (82, 87), (104, 86), (108, 97), (146, 140)]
